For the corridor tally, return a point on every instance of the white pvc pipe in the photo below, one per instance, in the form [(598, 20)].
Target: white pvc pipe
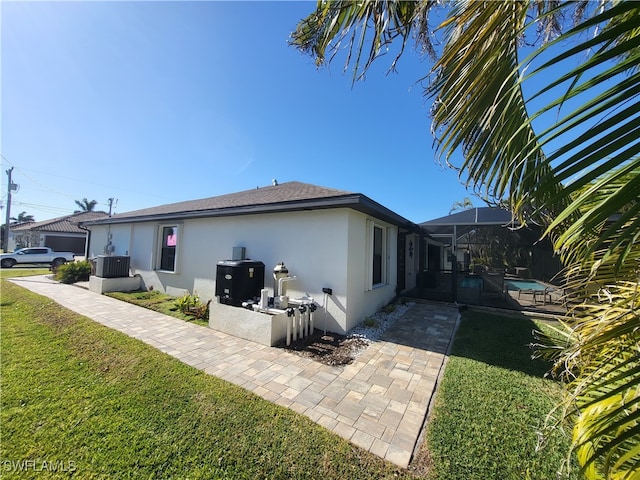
[(281, 281), (325, 313), (295, 325)]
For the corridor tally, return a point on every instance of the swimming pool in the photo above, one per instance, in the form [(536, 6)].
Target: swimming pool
[(472, 282), (516, 285), (470, 290)]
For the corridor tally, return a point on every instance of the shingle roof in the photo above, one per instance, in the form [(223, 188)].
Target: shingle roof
[(289, 196), (66, 224), (285, 192)]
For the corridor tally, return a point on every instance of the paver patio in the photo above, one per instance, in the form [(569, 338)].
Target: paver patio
[(379, 402)]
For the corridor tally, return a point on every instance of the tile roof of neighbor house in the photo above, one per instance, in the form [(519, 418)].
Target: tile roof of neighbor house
[(289, 196), (66, 224)]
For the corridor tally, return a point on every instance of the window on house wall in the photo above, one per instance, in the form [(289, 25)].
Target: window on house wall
[(168, 250), (378, 257), (377, 253)]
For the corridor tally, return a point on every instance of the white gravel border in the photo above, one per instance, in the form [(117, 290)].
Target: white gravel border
[(383, 321)]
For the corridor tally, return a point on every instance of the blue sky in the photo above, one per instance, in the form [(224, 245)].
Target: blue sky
[(154, 103)]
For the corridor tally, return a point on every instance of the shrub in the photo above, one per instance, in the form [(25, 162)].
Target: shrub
[(191, 305), (389, 308), (370, 322), (201, 310), (186, 302), (73, 272)]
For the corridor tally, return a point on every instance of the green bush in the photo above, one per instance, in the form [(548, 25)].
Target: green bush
[(191, 305), (389, 308), (370, 322), (73, 272), (186, 302)]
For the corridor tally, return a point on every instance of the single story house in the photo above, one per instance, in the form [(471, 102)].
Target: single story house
[(327, 238), (62, 234)]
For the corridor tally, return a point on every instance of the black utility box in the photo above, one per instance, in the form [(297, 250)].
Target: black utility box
[(238, 281), (112, 266)]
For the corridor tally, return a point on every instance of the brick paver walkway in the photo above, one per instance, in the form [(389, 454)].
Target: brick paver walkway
[(379, 402)]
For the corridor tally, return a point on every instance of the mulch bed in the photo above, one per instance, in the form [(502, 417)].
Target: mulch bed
[(331, 349)]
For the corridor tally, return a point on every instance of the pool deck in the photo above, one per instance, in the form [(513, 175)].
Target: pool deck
[(531, 293)]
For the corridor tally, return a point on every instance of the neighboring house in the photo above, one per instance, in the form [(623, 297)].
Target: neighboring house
[(326, 237), (62, 234)]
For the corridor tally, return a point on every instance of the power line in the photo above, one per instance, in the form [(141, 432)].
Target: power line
[(83, 181), (44, 208), (111, 204), (29, 177)]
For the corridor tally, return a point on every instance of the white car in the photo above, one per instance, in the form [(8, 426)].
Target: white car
[(35, 255)]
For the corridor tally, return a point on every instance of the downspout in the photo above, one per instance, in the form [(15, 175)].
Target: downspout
[(400, 255), (86, 241)]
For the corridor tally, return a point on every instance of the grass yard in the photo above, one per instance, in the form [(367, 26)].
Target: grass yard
[(491, 406), (23, 272), (157, 301), (78, 397)]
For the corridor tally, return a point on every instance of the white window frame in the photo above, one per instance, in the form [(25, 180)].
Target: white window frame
[(160, 247)]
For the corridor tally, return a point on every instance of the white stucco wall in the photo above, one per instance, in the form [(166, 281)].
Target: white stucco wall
[(115, 238), (97, 240), (312, 244), (362, 300)]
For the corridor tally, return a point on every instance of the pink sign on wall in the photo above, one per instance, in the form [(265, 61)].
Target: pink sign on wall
[(172, 240)]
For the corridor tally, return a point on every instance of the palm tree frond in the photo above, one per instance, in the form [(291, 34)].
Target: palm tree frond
[(492, 126), (85, 205), (323, 33), (557, 137)]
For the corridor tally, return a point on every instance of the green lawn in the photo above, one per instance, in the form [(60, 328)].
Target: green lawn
[(491, 406), (78, 396), (23, 272), (157, 301)]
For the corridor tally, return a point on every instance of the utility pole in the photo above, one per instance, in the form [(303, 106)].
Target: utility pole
[(6, 230)]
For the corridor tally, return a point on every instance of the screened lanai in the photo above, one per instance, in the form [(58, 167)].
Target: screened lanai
[(484, 256)]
